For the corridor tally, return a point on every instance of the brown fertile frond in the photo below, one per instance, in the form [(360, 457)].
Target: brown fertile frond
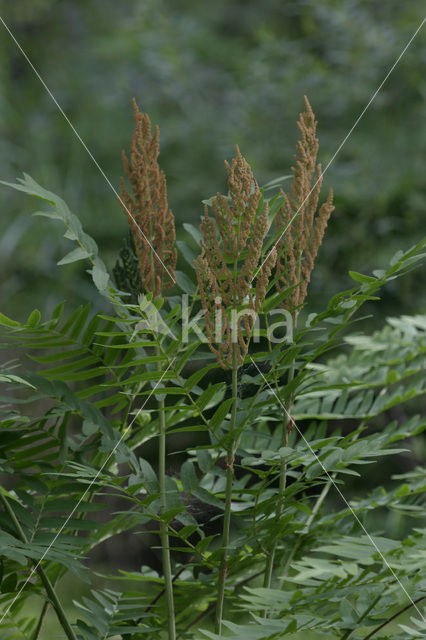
[(231, 251), (217, 323), (302, 226), (234, 227), (150, 219), (263, 277)]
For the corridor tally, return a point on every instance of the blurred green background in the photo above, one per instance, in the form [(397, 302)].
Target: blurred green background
[(211, 74)]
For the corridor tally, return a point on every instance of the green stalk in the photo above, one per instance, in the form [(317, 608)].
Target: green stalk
[(41, 619), (165, 548), (228, 497), (42, 575), (267, 581), (326, 488), (283, 466), (398, 613), (348, 633), (281, 488)]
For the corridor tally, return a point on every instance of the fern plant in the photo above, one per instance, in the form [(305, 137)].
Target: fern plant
[(258, 538)]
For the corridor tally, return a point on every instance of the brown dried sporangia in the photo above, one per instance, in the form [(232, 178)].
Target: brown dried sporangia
[(151, 221), (301, 224), (225, 270)]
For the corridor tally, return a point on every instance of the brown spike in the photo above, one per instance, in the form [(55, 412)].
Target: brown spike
[(301, 224), (239, 228), (150, 219)]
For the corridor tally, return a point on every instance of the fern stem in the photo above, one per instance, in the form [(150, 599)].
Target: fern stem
[(348, 633), (42, 574), (398, 613), (326, 488), (41, 619), (165, 548), (281, 488), (322, 496), (228, 498)]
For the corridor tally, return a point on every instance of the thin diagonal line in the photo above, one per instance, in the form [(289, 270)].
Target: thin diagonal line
[(86, 148), (361, 115), (126, 430), (330, 478)]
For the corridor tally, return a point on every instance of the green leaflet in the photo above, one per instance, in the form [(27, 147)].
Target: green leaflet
[(87, 246)]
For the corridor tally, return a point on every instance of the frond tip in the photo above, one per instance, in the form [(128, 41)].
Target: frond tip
[(150, 219), (299, 219), (231, 259)]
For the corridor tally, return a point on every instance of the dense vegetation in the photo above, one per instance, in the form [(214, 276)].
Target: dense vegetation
[(246, 544), (248, 474)]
